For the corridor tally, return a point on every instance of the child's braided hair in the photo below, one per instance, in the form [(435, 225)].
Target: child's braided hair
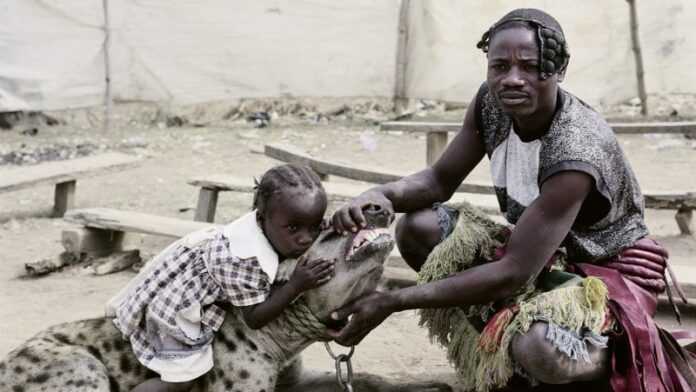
[(284, 176), (553, 48)]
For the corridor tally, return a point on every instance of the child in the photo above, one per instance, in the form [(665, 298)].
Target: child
[(169, 313)]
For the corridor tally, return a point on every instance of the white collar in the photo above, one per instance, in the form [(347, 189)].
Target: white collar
[(247, 240)]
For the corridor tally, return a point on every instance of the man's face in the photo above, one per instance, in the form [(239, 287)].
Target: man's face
[(513, 74), (292, 220)]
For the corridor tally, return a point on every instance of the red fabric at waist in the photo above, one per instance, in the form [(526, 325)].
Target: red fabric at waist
[(639, 361)]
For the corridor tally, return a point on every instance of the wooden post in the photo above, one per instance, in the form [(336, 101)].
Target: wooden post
[(107, 66), (400, 98), (64, 198), (684, 221), (435, 144), (640, 73), (207, 203)]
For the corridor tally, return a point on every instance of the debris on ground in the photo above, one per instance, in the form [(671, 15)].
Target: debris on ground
[(115, 262), (53, 152), (26, 120), (46, 266), (260, 119)]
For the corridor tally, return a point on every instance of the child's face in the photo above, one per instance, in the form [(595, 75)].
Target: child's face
[(292, 220)]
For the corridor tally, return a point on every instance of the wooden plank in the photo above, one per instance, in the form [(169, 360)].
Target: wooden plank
[(654, 127), (657, 200), (670, 200), (62, 171), (618, 127), (416, 126), (126, 221), (291, 154), (63, 198), (336, 191), (207, 203)]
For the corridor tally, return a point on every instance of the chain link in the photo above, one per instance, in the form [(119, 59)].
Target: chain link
[(347, 382)]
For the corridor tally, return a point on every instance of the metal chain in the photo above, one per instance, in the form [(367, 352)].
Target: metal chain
[(347, 382)]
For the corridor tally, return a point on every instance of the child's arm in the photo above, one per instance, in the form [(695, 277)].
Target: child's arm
[(307, 275)]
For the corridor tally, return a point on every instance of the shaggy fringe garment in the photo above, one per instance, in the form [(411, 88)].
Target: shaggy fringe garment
[(482, 360)]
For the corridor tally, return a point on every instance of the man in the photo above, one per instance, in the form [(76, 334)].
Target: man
[(562, 179)]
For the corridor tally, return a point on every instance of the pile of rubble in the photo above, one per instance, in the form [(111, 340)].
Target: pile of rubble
[(261, 112), (54, 152), (27, 122)]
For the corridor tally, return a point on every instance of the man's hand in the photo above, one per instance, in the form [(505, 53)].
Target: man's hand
[(350, 218), (367, 313), (643, 263)]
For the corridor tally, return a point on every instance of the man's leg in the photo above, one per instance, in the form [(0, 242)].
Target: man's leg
[(417, 233), (543, 361)]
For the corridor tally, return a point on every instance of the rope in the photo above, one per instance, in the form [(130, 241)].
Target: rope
[(298, 320)]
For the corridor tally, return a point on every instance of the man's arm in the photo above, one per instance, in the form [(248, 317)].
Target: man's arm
[(422, 189), (539, 232)]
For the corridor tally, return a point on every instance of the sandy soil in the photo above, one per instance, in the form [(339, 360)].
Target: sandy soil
[(173, 155)]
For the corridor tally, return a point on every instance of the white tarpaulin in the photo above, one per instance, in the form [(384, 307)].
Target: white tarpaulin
[(444, 63), (184, 52), (51, 54), (194, 51)]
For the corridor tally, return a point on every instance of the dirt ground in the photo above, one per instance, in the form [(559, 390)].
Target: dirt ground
[(398, 348)]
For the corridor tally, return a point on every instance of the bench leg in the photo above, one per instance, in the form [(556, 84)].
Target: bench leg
[(435, 144), (64, 198), (90, 241), (684, 221), (207, 203)]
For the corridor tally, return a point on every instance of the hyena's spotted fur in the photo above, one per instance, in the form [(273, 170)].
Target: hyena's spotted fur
[(91, 355)]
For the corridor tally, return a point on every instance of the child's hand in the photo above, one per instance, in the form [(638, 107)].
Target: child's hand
[(309, 274)]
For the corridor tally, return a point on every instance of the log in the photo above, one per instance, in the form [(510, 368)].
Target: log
[(45, 266), (116, 262)]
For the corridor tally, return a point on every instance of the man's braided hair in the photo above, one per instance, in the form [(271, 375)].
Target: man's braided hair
[(281, 177), (553, 48)]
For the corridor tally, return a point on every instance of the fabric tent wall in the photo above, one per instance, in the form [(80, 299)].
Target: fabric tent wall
[(444, 63), (51, 54), (194, 51), (198, 51)]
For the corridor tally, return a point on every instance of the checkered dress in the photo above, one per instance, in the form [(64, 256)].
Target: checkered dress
[(188, 278)]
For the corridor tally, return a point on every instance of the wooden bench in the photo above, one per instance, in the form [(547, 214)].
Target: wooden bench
[(210, 187), (682, 201), (437, 132), (103, 230), (64, 175)]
